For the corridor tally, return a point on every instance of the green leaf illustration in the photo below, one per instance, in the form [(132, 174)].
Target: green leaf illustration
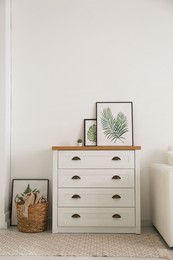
[(91, 134), (114, 128)]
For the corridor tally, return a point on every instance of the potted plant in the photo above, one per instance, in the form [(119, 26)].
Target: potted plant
[(79, 142)]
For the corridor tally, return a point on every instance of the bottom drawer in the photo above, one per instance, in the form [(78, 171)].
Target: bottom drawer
[(114, 217)]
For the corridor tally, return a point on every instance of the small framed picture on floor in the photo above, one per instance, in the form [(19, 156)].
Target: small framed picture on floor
[(21, 188)]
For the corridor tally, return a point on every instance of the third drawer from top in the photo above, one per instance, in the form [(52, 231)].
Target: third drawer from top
[(96, 197)]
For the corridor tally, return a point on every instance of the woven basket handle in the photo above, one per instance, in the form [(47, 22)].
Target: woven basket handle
[(16, 199)]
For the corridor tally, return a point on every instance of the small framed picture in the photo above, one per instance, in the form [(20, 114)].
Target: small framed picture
[(114, 123), (90, 132), (21, 186)]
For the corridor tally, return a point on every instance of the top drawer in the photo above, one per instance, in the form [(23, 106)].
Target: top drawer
[(96, 159)]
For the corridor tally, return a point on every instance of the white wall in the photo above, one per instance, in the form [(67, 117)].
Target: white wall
[(68, 54), (5, 114)]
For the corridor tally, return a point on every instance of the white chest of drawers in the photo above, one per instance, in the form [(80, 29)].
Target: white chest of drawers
[(96, 189)]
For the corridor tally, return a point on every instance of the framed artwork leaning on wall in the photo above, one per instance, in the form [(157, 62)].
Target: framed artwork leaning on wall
[(114, 123), (20, 187), (89, 132)]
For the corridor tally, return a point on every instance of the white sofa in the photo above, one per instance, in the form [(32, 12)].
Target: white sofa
[(161, 190)]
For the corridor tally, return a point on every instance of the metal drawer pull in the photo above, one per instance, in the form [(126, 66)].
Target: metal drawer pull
[(116, 216), (116, 196), (75, 216), (116, 158), (75, 196), (75, 177), (76, 158), (116, 177)]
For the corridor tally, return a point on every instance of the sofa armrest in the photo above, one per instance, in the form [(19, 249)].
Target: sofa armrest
[(161, 191)]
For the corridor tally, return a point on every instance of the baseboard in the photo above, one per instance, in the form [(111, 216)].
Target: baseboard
[(4, 220), (146, 223), (7, 219), (50, 223)]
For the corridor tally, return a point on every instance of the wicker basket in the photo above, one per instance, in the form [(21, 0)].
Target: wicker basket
[(37, 217)]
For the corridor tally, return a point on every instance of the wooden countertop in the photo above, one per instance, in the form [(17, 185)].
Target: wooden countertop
[(93, 148)]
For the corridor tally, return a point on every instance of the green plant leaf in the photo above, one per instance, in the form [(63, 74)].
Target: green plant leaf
[(114, 128), (28, 189), (35, 190), (91, 134), (20, 198)]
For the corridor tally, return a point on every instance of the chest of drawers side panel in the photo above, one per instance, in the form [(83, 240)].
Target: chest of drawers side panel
[(54, 192), (137, 192)]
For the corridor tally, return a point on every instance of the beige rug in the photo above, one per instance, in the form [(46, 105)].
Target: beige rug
[(16, 243)]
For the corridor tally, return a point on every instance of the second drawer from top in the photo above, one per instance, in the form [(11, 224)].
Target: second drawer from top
[(95, 178)]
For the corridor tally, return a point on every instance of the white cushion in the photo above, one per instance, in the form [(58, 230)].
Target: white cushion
[(170, 157), (170, 148), (161, 181)]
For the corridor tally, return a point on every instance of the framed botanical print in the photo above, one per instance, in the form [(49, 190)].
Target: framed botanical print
[(89, 132), (114, 123)]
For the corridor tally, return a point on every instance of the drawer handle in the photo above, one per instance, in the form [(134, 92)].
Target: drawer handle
[(75, 196), (116, 196), (116, 216), (75, 216), (116, 177), (76, 158), (116, 158), (75, 177)]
